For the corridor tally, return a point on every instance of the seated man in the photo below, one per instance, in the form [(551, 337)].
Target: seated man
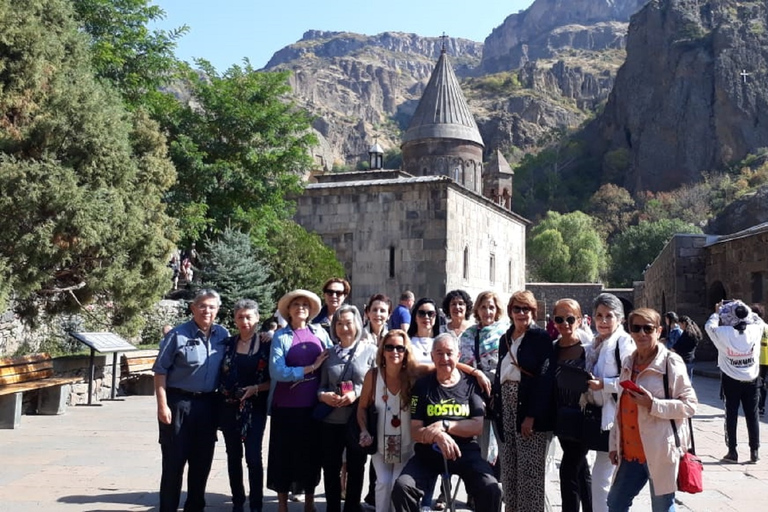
[(446, 416)]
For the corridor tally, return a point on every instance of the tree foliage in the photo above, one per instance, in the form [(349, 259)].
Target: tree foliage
[(614, 208), (81, 178), (124, 51), (231, 266), (566, 248), (636, 248), (238, 148), (300, 259)]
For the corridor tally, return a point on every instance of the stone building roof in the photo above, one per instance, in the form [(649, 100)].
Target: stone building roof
[(754, 230), (443, 112), (498, 164)]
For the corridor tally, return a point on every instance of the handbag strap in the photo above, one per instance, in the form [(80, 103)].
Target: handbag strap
[(672, 422), (513, 359), (349, 361)]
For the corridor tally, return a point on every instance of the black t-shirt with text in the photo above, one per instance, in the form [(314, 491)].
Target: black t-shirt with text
[(431, 402)]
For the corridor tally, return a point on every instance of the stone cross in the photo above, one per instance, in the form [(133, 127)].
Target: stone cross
[(744, 75), (444, 38)]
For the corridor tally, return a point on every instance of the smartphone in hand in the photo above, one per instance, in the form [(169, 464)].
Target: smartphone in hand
[(631, 386), (345, 387)]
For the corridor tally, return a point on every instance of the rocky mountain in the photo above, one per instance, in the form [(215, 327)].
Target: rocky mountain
[(562, 64), (691, 96)]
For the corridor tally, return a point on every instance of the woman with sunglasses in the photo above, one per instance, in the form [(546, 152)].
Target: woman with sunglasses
[(422, 331), (570, 352), (642, 440), (335, 291), (604, 356), (389, 387), (523, 387)]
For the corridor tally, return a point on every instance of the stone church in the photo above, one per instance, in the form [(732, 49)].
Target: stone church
[(442, 222)]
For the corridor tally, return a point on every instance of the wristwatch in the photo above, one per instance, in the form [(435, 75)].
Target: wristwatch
[(446, 425)]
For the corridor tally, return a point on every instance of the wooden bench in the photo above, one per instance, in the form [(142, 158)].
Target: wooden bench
[(136, 373), (29, 373)]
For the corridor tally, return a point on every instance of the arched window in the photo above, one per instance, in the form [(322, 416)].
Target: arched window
[(492, 268), (466, 263)]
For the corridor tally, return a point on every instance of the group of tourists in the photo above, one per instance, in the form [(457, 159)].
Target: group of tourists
[(480, 393)]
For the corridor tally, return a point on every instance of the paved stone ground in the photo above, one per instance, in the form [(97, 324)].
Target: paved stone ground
[(107, 458)]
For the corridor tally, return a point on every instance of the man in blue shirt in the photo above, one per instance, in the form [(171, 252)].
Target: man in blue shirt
[(186, 379), (401, 316)]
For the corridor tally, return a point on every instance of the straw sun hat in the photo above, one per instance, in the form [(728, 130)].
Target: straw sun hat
[(285, 302)]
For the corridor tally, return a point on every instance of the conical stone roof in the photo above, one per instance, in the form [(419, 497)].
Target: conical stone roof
[(443, 112)]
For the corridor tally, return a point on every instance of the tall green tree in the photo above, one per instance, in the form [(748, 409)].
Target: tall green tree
[(81, 179), (636, 248), (239, 148), (136, 60), (614, 207), (566, 248), (231, 266)]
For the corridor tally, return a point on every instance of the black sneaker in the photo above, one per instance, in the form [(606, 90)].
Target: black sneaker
[(753, 456), (731, 457)]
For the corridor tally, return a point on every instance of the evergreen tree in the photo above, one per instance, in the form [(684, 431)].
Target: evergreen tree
[(231, 267), (81, 179)]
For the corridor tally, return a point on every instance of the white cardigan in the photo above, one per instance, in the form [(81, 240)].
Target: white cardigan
[(607, 370)]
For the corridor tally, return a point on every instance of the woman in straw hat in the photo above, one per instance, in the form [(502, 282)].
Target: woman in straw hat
[(298, 351)]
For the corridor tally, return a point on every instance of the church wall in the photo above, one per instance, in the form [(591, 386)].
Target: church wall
[(740, 266), (443, 158), (368, 224), (484, 229)]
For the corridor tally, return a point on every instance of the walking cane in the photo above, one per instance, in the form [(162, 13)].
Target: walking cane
[(446, 481)]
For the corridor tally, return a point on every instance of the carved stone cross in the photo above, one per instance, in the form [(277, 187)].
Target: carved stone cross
[(744, 75)]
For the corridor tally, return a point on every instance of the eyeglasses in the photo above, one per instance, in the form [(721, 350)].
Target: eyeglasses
[(423, 313), (394, 348), (335, 293), (521, 309), (570, 319), (647, 328)]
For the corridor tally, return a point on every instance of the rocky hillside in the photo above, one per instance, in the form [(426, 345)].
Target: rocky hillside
[(366, 87), (691, 96)]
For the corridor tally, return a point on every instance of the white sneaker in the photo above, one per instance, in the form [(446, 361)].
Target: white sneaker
[(295, 497)]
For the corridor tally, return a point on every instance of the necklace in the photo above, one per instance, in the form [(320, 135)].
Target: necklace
[(395, 421)]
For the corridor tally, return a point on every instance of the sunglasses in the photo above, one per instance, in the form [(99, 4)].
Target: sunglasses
[(426, 314), (570, 319), (335, 293), (521, 309), (647, 328), (394, 348)]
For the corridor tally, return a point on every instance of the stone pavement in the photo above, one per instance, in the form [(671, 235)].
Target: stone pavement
[(107, 458)]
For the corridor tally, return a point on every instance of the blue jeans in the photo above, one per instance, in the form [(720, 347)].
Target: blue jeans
[(630, 480)]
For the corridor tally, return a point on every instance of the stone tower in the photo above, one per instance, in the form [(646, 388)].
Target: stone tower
[(443, 139)]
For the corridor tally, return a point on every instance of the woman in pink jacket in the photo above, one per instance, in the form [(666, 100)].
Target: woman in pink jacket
[(642, 442)]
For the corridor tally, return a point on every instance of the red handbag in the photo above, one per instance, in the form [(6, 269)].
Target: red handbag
[(689, 475)]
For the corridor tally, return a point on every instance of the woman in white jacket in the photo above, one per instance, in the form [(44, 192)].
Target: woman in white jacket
[(611, 345), (642, 442)]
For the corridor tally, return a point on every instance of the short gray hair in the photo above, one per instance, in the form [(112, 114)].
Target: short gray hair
[(249, 304), (206, 293), (612, 302), (446, 336), (347, 308)]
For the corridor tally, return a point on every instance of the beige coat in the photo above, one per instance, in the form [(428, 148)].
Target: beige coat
[(661, 453)]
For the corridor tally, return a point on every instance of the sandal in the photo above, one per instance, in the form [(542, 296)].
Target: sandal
[(439, 502)]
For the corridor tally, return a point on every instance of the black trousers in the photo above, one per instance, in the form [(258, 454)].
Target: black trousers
[(744, 393), (575, 478), (427, 464), (333, 442), (230, 428), (190, 439)]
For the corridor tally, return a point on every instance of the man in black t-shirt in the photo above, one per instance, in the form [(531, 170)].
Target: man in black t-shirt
[(446, 416)]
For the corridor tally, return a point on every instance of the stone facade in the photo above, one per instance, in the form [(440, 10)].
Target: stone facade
[(694, 272), (460, 160), (412, 233)]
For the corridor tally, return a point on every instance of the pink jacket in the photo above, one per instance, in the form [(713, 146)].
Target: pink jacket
[(661, 453)]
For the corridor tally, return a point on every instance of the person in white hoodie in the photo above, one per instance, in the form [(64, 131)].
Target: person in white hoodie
[(611, 345), (736, 332)]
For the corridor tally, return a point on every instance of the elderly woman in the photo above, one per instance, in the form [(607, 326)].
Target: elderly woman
[(389, 388), (457, 306), (341, 383), (604, 356), (377, 312), (570, 352), (736, 333), (298, 351), (479, 348), (642, 441), (523, 386), (243, 383)]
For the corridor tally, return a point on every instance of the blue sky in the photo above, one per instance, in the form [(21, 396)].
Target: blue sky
[(225, 31)]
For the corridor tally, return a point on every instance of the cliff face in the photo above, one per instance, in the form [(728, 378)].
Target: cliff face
[(548, 26), (692, 93)]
